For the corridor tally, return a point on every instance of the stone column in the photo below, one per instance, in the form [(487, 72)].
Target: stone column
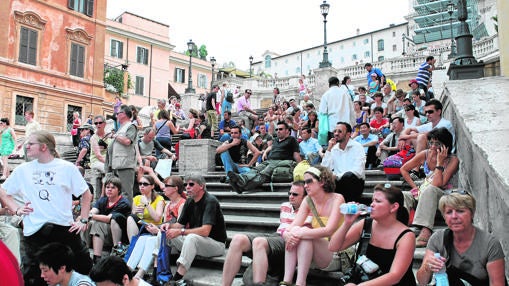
[(322, 76)]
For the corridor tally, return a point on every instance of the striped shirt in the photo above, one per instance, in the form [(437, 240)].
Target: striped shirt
[(424, 75), (287, 215)]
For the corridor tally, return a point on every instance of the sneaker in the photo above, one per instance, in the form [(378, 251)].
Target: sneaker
[(180, 282), (224, 180)]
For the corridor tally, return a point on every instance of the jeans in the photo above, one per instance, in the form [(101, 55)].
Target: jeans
[(229, 165), (225, 137)]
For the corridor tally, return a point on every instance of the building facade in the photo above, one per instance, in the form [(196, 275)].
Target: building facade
[(363, 48), (51, 61)]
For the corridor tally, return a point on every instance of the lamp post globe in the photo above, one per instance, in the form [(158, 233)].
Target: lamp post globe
[(250, 66), (190, 48), (324, 9)]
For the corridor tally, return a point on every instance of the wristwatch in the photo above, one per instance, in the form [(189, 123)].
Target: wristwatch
[(84, 221), (441, 168), (182, 231)]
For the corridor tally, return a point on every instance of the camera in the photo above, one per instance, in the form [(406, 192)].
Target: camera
[(102, 143)]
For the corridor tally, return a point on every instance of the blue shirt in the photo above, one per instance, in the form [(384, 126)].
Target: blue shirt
[(223, 122), (370, 138), (374, 70), (309, 146), (423, 75)]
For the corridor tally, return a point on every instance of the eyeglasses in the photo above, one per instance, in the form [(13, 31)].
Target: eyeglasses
[(435, 143), (144, 184), (280, 129), (429, 111), (120, 112), (190, 184), (458, 191), (308, 181), (97, 123), (293, 194), (169, 186)]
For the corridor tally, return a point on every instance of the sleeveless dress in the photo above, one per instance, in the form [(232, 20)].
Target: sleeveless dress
[(7, 146), (385, 257)]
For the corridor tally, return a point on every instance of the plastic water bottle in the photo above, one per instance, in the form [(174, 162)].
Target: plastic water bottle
[(352, 208), (441, 276)]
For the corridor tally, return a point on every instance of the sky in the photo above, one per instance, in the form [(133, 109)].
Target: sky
[(234, 30)]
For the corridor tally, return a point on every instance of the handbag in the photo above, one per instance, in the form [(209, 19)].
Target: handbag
[(323, 129), (357, 274), (163, 274)]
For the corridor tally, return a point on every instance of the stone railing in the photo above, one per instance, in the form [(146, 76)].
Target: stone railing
[(486, 46)]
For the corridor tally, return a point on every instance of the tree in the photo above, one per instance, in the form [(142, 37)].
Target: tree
[(203, 52), (114, 80)]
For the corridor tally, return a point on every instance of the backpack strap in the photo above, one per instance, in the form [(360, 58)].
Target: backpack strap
[(365, 236)]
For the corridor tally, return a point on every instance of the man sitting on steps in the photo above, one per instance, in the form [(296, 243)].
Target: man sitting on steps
[(283, 151), (266, 250)]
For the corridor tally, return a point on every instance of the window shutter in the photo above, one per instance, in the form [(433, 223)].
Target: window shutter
[(138, 55), (175, 75), (71, 4), (89, 10), (74, 51), (23, 45), (81, 61), (145, 59), (113, 48), (120, 52), (32, 47)]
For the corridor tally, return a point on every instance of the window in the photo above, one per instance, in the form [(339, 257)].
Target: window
[(83, 6), (28, 46), (142, 55), (354, 57), (23, 104), (267, 61), (202, 80), (297, 70), (380, 45), (70, 110), (117, 49), (342, 60), (393, 34), (77, 60), (180, 75), (366, 54), (354, 44), (366, 41), (341, 47), (381, 58), (394, 48), (139, 86)]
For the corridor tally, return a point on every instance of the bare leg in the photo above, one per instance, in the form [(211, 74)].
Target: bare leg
[(132, 228), (97, 245), (260, 259), (304, 257), (290, 264), (116, 232), (239, 244)]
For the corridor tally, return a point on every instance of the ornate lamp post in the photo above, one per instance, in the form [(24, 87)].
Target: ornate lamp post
[(212, 63), (250, 66), (465, 66), (190, 48), (324, 8), (450, 10)]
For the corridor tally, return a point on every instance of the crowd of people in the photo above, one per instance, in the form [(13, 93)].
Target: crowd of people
[(138, 212)]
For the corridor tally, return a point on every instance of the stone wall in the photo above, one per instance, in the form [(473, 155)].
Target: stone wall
[(478, 113)]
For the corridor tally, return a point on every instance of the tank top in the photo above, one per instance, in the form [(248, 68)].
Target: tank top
[(164, 130)]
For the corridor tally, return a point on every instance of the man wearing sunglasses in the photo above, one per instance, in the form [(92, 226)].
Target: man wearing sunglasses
[(266, 250), (417, 136), (282, 153), (205, 234), (231, 152)]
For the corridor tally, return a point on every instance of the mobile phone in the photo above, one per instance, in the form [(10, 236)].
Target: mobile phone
[(142, 222)]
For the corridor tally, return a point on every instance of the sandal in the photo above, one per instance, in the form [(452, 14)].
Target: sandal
[(284, 283), (422, 239)]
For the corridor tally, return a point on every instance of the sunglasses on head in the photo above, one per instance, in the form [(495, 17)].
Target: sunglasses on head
[(190, 184), (458, 191), (293, 194), (144, 184)]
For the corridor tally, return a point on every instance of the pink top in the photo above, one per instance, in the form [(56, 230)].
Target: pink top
[(242, 103)]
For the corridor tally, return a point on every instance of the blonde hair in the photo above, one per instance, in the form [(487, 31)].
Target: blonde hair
[(44, 137), (456, 201)]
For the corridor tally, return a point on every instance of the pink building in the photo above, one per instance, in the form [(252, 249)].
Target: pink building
[(155, 70)]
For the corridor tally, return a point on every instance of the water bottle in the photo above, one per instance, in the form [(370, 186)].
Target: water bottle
[(352, 208), (441, 276)]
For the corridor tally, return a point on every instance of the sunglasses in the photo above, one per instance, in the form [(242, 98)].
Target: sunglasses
[(429, 111), (435, 143), (144, 184), (169, 186), (308, 181), (190, 184), (280, 129), (458, 191), (293, 194), (97, 123)]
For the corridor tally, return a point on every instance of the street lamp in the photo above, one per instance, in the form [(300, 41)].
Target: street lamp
[(324, 8), (250, 65), (450, 10), (190, 48), (212, 63)]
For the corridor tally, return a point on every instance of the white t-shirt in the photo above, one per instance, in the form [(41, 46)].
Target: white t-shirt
[(442, 123), (49, 188)]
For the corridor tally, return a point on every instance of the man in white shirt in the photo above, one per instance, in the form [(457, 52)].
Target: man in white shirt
[(337, 105), (346, 159)]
